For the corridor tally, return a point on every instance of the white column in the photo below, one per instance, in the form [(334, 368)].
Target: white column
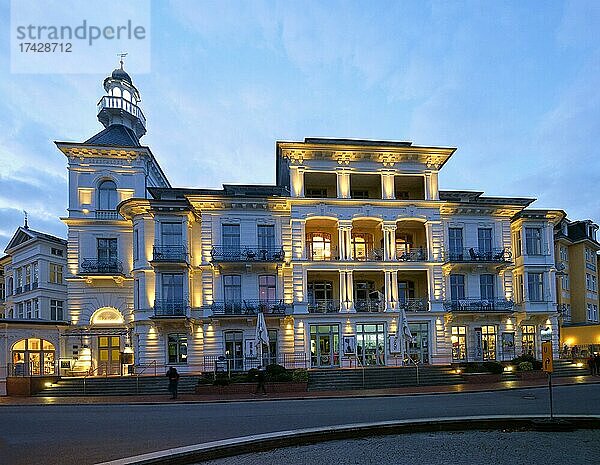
[(343, 296), (343, 184), (387, 185), (350, 291), (389, 241), (297, 181), (427, 186), (345, 239)]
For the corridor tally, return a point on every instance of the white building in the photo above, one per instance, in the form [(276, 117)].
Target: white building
[(33, 311), (353, 232)]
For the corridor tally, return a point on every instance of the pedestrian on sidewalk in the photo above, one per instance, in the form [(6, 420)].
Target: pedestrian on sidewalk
[(261, 378), (173, 381), (591, 364), (597, 364)]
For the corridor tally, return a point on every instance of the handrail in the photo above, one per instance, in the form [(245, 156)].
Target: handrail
[(416, 364), (91, 372), (139, 373)]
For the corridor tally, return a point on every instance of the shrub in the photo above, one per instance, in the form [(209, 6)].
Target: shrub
[(251, 376), (493, 367), (221, 380), (278, 373), (536, 364), (300, 376), (525, 366), (485, 367)]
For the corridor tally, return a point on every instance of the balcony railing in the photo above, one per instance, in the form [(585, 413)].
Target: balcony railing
[(170, 253), (479, 255), (416, 255), (249, 307), (369, 305), (415, 304), (171, 307), (373, 255), (18, 290), (121, 103), (108, 215), (225, 253), (565, 313), (324, 306), (105, 266), (479, 305)]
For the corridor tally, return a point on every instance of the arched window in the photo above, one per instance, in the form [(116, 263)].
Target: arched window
[(33, 357), (127, 95), (362, 245), (107, 195), (116, 92)]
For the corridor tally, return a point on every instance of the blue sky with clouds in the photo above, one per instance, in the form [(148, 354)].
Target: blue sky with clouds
[(512, 84)]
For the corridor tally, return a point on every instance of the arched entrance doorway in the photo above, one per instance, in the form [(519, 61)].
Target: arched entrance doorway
[(33, 357), (108, 328)]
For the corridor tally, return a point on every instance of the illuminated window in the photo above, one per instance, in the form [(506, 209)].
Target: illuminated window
[(33, 357), (319, 246), (528, 340), (459, 343), (177, 348)]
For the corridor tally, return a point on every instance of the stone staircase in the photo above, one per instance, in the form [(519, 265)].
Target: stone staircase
[(569, 368), (117, 386), (381, 378)]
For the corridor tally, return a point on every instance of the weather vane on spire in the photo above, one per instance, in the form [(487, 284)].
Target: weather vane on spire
[(121, 55), (25, 214)]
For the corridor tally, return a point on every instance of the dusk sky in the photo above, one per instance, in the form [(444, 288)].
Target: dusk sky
[(513, 85)]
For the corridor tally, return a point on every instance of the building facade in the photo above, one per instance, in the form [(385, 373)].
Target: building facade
[(576, 250), (33, 310), (352, 233)]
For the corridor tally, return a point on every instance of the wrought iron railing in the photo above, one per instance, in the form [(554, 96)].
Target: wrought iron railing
[(479, 305), (171, 307), (249, 307), (416, 255), (369, 305), (320, 255), (372, 255), (291, 361), (103, 266), (472, 254), (170, 253), (323, 306), (416, 304), (224, 253), (108, 215)]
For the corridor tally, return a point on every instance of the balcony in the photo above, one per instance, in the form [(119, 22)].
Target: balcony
[(91, 266), (221, 253), (108, 215), (324, 306), (472, 255), (120, 103), (369, 306), (18, 290), (165, 308), (249, 307), (373, 255), (417, 304), (479, 305), (169, 254), (416, 255)]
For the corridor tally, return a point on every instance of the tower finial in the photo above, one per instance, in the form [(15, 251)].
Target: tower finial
[(121, 55), (26, 223)]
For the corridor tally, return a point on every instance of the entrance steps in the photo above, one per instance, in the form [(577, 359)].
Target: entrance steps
[(569, 368), (381, 378), (118, 386)]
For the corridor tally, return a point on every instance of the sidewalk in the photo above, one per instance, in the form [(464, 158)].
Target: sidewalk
[(401, 391)]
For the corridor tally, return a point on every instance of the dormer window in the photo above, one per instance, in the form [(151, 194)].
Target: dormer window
[(107, 195)]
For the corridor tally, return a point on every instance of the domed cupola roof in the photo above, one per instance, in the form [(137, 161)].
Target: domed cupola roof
[(120, 74)]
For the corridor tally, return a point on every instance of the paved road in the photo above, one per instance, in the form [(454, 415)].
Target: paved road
[(87, 434)]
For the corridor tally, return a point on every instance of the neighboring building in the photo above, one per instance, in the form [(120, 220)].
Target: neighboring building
[(576, 250), (33, 296), (352, 232)]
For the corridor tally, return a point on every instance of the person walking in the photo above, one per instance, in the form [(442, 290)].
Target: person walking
[(173, 381), (591, 361), (597, 363), (260, 378)]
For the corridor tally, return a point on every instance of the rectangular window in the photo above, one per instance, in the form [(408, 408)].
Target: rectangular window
[(528, 340), (518, 243), (457, 287), (316, 193), (172, 287), (455, 241), (107, 251), (588, 281), (36, 272), (19, 279), (590, 315), (565, 282), (595, 312), (56, 252), (27, 275), (533, 241), (486, 286), (36, 308), (594, 283), (56, 310), (459, 343), (177, 348), (20, 310), (535, 286), (234, 349), (56, 273), (266, 236), (231, 236), (171, 233), (28, 309), (232, 288), (266, 287), (484, 240)]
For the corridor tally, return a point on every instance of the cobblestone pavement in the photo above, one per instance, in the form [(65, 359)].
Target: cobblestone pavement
[(472, 447)]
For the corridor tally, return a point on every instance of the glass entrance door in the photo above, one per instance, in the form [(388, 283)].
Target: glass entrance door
[(418, 348), (370, 344), (324, 346), (109, 355)]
